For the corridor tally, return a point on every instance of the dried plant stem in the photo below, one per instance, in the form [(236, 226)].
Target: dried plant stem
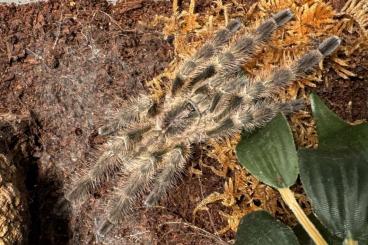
[(289, 198), (191, 6), (226, 14), (175, 7), (349, 241)]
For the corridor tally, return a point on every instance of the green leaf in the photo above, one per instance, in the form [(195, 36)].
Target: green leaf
[(332, 131), (337, 184), (335, 176), (328, 123), (269, 153), (260, 228)]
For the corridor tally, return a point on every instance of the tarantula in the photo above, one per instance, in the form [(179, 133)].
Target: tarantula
[(210, 97)]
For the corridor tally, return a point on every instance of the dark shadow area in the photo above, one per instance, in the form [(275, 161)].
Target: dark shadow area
[(40, 190), (47, 227), (44, 190)]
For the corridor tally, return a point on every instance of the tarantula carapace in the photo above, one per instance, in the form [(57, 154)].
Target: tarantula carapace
[(211, 96)]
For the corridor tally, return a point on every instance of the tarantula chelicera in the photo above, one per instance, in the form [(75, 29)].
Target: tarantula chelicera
[(211, 96)]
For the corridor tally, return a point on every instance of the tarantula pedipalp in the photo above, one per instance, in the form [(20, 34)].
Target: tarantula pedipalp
[(211, 96)]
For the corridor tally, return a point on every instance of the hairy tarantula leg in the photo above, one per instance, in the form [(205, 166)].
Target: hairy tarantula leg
[(283, 77), (259, 118), (279, 79), (255, 90), (228, 63), (253, 117), (235, 54), (173, 165), (100, 172), (134, 110), (106, 166), (142, 172), (247, 45), (134, 134), (111, 161), (207, 51)]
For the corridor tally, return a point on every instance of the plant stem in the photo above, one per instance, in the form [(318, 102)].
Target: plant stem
[(175, 7), (289, 198), (191, 6), (349, 241)]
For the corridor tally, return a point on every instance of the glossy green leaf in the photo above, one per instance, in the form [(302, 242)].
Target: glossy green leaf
[(269, 153), (260, 228), (335, 176)]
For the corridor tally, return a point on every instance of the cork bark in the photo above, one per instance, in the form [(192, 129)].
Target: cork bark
[(11, 206), (13, 197)]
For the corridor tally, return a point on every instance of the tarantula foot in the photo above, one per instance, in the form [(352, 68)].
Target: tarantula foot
[(329, 45), (104, 228), (62, 206), (283, 16), (151, 200)]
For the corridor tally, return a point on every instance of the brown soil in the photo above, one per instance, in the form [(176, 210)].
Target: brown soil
[(67, 63), (349, 98)]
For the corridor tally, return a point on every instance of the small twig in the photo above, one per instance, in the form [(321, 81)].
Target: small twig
[(202, 231), (201, 189), (119, 26), (131, 5), (59, 31), (125, 7), (226, 14), (36, 55), (39, 57), (136, 234), (175, 7), (192, 6), (111, 19)]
